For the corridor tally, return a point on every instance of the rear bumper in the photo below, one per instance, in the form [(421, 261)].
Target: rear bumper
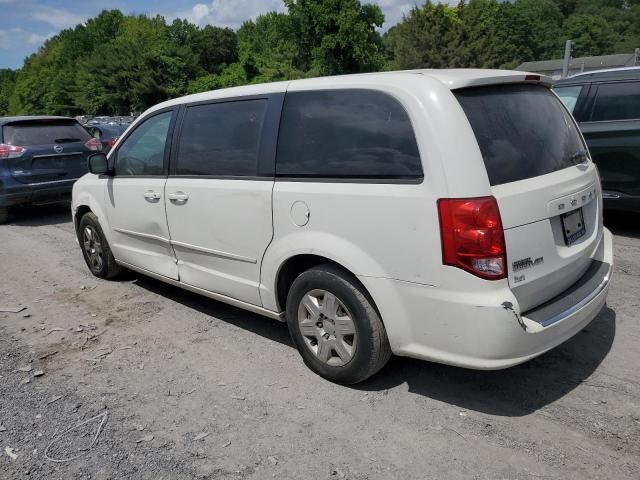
[(485, 331), (20, 194)]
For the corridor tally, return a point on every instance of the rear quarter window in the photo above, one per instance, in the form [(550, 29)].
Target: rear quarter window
[(44, 133), (357, 134), (617, 101), (523, 131)]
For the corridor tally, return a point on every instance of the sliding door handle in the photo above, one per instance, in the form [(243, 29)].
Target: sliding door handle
[(178, 197)]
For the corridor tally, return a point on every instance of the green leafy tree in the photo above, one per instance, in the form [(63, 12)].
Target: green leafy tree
[(7, 84), (217, 48), (528, 30), (116, 64), (428, 37), (591, 34), (268, 48), (476, 34), (336, 36), (154, 62)]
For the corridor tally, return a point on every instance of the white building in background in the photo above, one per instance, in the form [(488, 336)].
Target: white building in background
[(553, 68)]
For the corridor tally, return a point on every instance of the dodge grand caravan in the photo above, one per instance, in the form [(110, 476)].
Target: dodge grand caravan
[(451, 215)]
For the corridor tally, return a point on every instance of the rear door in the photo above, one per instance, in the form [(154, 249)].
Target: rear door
[(612, 130), (56, 150), (218, 196), (547, 189)]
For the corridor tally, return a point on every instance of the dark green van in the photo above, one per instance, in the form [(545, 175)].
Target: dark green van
[(606, 105)]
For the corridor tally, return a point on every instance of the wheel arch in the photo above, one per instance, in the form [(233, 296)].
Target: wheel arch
[(80, 212), (88, 202), (296, 264)]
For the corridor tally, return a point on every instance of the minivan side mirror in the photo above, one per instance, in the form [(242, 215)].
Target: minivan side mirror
[(98, 163)]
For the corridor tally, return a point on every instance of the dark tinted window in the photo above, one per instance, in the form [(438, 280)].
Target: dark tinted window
[(221, 139), (617, 101), (523, 131), (44, 133), (348, 134), (142, 152)]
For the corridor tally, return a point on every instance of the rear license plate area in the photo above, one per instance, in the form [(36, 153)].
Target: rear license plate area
[(573, 227)]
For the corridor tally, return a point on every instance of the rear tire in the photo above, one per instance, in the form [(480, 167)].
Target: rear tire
[(4, 215), (335, 326), (95, 249)]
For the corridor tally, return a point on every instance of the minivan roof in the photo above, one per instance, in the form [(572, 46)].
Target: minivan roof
[(453, 79)]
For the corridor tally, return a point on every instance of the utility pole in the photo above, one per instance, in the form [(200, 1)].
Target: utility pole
[(567, 59)]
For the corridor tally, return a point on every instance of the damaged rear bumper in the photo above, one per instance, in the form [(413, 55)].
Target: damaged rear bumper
[(485, 330)]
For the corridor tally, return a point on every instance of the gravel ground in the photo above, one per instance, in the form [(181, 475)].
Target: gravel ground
[(175, 386)]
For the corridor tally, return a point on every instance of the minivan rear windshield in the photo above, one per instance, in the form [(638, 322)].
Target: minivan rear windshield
[(523, 131), (33, 133)]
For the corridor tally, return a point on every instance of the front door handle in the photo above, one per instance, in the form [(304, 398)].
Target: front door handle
[(178, 197), (152, 196)]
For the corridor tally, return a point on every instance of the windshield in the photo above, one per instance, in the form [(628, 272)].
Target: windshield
[(523, 131)]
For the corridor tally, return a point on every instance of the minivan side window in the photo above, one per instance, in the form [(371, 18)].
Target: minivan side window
[(142, 152), (361, 134), (221, 139), (617, 101)]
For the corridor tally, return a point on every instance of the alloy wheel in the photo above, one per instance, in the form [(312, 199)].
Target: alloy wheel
[(327, 327), (93, 248)]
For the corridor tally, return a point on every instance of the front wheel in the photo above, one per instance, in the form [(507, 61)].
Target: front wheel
[(95, 249), (335, 326)]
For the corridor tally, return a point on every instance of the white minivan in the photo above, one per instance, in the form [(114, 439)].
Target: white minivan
[(447, 215)]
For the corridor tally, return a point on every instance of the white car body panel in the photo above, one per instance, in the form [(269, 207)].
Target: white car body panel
[(467, 325), (343, 219), (89, 193), (219, 234), (139, 231), (231, 238)]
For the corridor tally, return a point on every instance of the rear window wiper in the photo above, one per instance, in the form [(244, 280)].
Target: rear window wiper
[(581, 156)]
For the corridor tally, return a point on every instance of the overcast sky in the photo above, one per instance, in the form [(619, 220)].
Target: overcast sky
[(26, 24)]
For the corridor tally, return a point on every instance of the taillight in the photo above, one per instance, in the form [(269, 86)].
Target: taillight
[(112, 141), (11, 151), (472, 236), (94, 144)]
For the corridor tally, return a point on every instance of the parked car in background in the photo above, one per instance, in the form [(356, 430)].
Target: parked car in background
[(108, 133), (447, 215), (606, 105), (40, 159)]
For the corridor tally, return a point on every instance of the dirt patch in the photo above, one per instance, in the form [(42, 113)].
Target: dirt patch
[(197, 389)]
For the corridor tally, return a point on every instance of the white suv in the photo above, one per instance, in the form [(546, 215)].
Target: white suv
[(447, 215)]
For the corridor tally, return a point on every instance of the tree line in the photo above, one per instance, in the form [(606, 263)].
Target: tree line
[(117, 64)]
